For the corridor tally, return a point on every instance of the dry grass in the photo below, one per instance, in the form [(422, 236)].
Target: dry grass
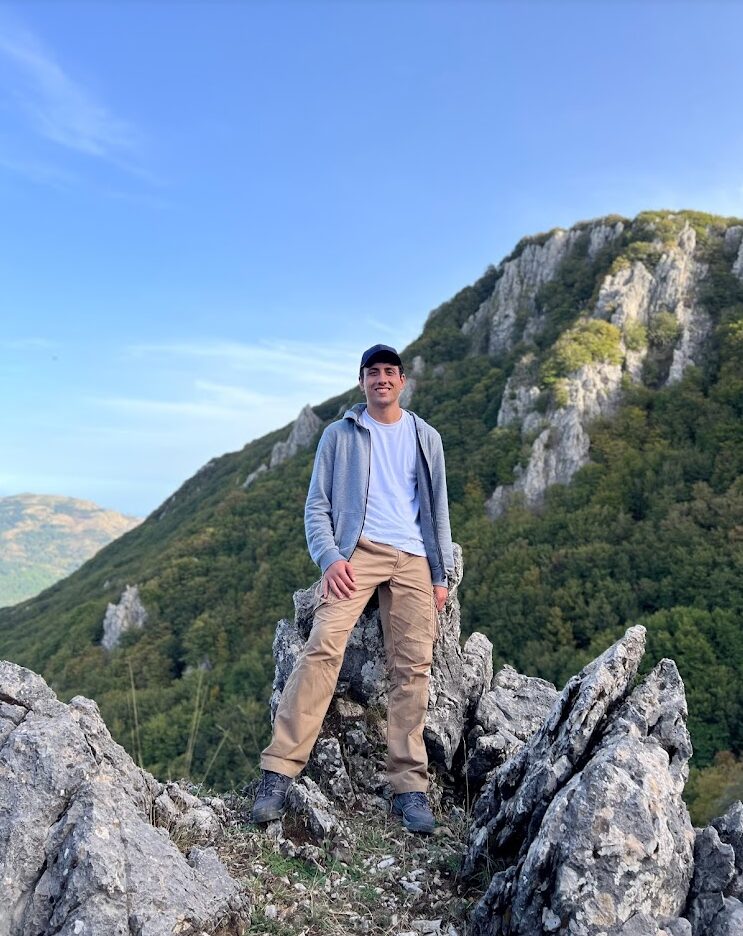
[(391, 879)]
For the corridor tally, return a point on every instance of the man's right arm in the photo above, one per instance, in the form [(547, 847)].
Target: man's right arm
[(318, 513)]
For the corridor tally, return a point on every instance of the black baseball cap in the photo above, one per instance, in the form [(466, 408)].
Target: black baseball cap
[(380, 354)]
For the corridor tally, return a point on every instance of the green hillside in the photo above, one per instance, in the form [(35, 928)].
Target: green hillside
[(650, 532), (45, 537)]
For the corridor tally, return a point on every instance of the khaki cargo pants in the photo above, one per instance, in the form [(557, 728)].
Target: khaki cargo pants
[(409, 623)]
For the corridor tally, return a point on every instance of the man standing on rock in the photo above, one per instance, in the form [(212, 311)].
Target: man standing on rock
[(376, 517)]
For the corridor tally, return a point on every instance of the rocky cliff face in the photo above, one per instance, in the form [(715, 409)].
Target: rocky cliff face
[(652, 293), (494, 326)]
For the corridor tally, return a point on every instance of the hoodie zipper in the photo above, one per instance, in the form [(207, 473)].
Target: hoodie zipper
[(430, 493), (368, 478)]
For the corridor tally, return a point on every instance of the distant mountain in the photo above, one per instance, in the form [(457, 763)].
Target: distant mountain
[(589, 392), (43, 538)]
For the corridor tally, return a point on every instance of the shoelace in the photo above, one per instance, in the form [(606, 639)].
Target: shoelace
[(418, 799), (269, 784)]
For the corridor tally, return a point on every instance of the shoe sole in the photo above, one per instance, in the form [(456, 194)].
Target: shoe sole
[(267, 816)]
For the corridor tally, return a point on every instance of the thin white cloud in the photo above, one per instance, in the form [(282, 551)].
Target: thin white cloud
[(60, 108), (190, 409), (236, 396), (28, 344), (384, 328), (298, 362), (41, 173)]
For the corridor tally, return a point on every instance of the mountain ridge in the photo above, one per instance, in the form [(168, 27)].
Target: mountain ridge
[(44, 537), (644, 532)]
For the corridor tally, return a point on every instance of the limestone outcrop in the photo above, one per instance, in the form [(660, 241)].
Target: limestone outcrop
[(493, 328), (562, 444), (87, 837), (128, 614), (415, 370), (303, 431), (508, 714), (715, 906), (655, 305), (588, 816)]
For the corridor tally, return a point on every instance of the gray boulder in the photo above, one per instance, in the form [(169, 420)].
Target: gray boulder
[(128, 614), (715, 906), (588, 816), (78, 849), (514, 801), (507, 715)]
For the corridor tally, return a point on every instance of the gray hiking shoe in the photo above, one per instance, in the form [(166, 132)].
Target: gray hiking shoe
[(270, 800), (414, 811)]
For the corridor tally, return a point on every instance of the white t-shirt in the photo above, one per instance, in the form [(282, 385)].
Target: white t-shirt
[(393, 506)]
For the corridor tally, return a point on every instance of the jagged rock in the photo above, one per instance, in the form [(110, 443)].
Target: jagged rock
[(730, 829), (589, 814), (304, 430), (416, 370), (513, 802), (288, 642), (78, 850), (642, 924), (601, 235), (738, 263), (306, 800), (520, 396), (637, 295), (715, 905), (493, 327), (507, 715), (254, 474), (634, 295), (494, 323), (458, 679), (188, 818), (733, 239), (326, 767), (562, 447), (128, 614)]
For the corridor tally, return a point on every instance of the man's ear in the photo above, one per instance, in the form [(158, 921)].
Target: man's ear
[(361, 383)]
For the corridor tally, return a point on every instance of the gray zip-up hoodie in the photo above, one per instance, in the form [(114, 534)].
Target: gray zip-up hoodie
[(336, 500)]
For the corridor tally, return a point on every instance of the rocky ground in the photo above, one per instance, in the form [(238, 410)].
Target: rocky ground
[(559, 813), (389, 882)]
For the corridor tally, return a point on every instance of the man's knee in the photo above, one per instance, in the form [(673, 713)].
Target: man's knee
[(324, 648)]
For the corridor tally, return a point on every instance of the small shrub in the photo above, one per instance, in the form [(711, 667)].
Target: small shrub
[(587, 341), (635, 336), (664, 330)]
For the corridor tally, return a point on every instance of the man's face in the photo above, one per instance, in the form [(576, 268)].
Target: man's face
[(382, 383)]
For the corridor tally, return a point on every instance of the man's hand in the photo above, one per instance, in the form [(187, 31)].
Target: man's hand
[(440, 595), (340, 578)]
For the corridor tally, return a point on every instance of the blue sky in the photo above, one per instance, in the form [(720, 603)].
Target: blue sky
[(210, 209)]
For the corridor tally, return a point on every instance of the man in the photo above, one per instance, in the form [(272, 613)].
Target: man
[(376, 516)]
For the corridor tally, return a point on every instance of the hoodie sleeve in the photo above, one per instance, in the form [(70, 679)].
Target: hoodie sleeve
[(318, 514), (441, 504)]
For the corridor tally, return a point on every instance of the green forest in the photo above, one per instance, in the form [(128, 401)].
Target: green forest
[(649, 532)]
